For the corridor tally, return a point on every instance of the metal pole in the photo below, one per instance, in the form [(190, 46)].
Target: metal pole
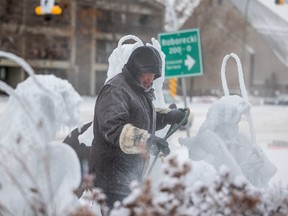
[(251, 80), (247, 2), (184, 91)]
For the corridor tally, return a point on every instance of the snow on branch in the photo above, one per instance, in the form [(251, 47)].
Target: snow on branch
[(175, 195)]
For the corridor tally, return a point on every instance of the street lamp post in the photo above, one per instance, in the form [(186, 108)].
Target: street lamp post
[(247, 48)]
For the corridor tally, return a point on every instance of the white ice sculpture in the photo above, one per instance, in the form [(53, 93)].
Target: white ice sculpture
[(220, 142), (121, 54), (36, 176)]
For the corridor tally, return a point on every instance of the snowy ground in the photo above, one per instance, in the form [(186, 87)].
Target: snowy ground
[(270, 126)]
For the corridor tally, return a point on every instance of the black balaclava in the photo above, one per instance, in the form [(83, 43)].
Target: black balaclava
[(144, 59)]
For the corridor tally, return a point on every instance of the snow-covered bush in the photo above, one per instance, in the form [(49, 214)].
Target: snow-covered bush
[(175, 196)]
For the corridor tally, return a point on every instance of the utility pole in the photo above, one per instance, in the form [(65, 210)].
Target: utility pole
[(175, 25)]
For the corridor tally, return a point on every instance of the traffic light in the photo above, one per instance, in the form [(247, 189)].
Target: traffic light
[(48, 7), (280, 2), (173, 86), (56, 10)]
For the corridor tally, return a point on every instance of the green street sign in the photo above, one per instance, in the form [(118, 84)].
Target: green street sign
[(183, 53)]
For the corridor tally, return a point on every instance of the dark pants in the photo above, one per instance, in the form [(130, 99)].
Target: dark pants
[(111, 198)]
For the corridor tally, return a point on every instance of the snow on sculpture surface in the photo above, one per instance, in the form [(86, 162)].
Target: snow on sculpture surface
[(219, 140), (36, 176)]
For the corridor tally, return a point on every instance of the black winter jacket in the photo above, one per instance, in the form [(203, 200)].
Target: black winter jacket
[(121, 101)]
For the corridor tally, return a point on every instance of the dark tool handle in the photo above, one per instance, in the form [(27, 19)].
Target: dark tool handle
[(173, 128)]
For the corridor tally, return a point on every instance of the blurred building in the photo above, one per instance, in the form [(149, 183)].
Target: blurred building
[(76, 44), (224, 29)]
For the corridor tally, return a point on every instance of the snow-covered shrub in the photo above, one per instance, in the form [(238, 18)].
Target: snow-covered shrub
[(175, 196)]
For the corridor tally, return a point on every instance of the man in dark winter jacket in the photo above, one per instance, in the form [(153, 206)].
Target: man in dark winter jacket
[(124, 125)]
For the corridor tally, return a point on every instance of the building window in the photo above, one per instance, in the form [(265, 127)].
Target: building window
[(3, 73), (104, 48), (143, 19), (60, 73), (110, 21), (47, 47)]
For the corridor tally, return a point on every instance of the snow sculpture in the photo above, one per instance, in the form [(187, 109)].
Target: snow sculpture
[(120, 55), (219, 140), (36, 176)]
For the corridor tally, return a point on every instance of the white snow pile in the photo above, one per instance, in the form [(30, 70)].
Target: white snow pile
[(220, 142), (36, 176)]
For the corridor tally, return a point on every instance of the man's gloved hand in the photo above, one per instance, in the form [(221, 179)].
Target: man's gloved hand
[(175, 116), (157, 144)]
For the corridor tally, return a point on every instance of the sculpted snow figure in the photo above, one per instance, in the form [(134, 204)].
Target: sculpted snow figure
[(36, 176), (220, 142)]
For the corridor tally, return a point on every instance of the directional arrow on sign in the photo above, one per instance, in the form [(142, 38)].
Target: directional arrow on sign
[(182, 51), (189, 62)]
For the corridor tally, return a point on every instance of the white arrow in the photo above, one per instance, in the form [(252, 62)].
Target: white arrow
[(189, 62)]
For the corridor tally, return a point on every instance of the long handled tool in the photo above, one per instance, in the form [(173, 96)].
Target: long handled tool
[(173, 128)]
